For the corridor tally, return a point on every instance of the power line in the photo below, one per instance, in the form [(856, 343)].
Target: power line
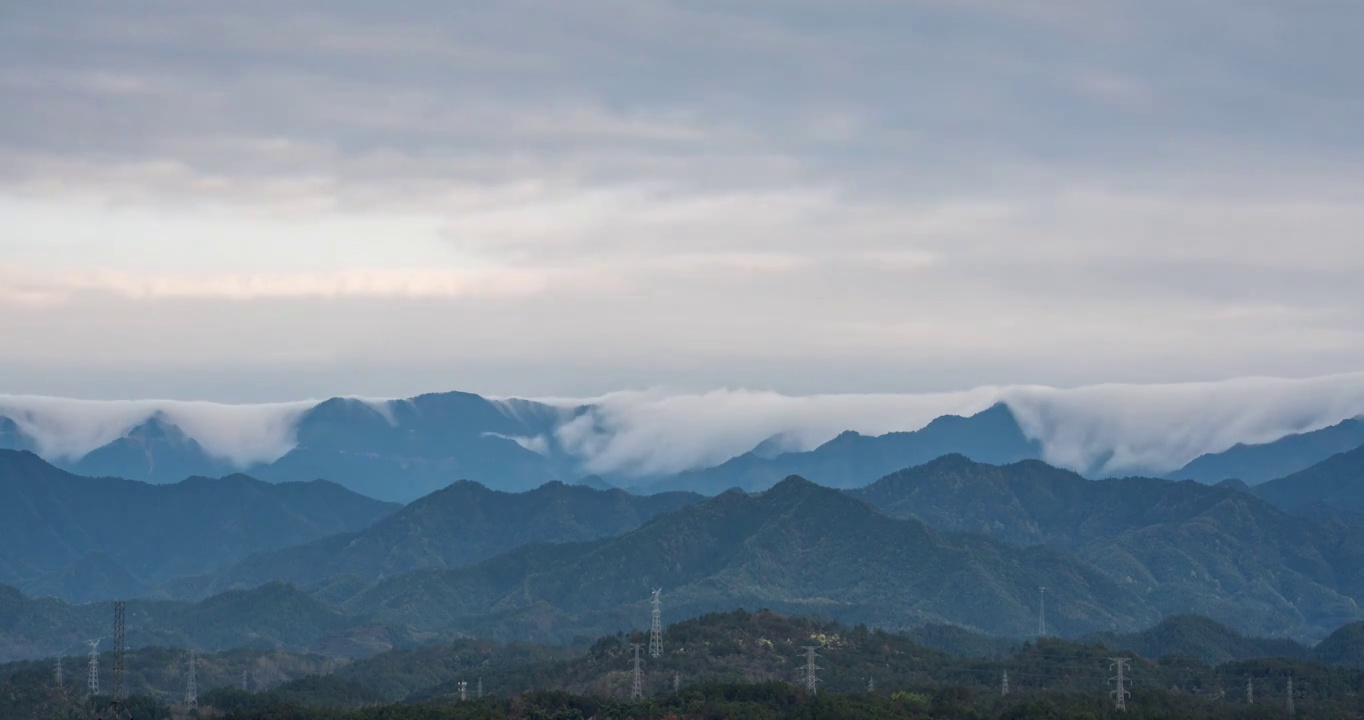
[(656, 626), (811, 669), (637, 674), (1119, 692)]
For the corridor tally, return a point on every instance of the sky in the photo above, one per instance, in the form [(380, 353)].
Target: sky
[(263, 201)]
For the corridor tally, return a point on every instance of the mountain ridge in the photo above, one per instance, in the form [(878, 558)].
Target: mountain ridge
[(461, 524), (851, 459), (1254, 464), (1187, 547), (53, 521), (737, 549)]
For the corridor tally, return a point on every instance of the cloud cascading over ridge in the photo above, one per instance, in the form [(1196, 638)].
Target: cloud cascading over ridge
[(1101, 429)]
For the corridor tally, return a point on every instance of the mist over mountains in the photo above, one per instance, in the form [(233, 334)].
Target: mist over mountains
[(542, 522), (397, 450)]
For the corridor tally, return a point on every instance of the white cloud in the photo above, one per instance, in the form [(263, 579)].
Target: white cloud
[(243, 434), (1107, 429), (380, 284)]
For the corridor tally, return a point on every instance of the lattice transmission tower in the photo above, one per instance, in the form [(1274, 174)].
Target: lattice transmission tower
[(637, 674), (92, 677), (1119, 692), (192, 684), (811, 669), (1042, 612), (656, 626)]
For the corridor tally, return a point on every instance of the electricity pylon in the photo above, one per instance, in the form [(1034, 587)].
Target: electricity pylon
[(656, 626), (61, 682), (1119, 692), (1042, 612), (1004, 684), (1291, 710), (1250, 691), (92, 679), (811, 669), (192, 685), (463, 690), (637, 674)]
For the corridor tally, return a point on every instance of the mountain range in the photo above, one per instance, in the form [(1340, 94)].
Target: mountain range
[(396, 451), (950, 542), (460, 525), (92, 538), (854, 460), (403, 449), (1255, 464), (1333, 487), (797, 547), (1184, 547)]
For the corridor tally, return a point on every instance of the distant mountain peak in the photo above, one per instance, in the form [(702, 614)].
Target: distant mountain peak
[(1256, 464), (12, 437), (794, 483), (774, 446)]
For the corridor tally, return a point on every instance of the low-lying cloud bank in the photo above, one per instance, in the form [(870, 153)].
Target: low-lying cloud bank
[(1100, 429)]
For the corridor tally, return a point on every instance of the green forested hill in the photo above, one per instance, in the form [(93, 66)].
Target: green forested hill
[(460, 525), (726, 665), (1201, 638), (101, 538), (276, 616), (797, 548), (1345, 647), (1183, 547), (1333, 485)]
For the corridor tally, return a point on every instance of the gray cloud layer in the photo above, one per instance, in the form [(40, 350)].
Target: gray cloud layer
[(263, 200)]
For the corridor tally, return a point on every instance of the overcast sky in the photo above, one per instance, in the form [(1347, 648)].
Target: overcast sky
[(271, 200)]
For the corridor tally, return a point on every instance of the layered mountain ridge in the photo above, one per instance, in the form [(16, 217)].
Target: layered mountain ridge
[(400, 450), (92, 538)]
